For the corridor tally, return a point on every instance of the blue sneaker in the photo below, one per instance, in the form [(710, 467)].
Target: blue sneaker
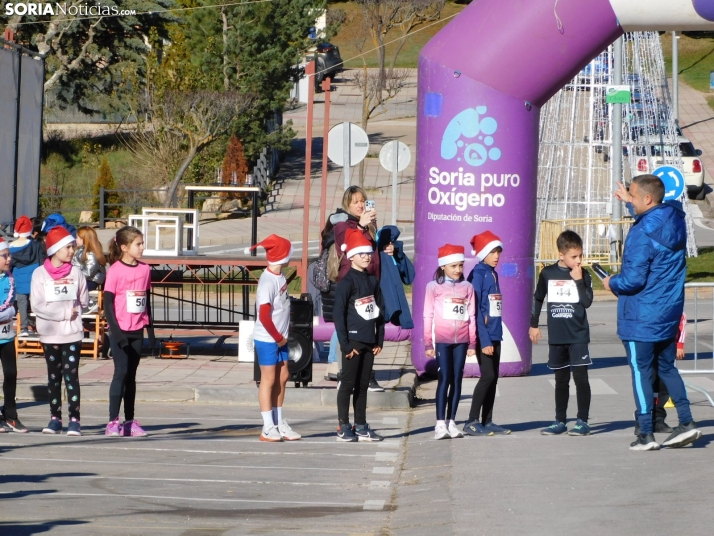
[(345, 433), (73, 428), (54, 427), (497, 430), (365, 433), (581, 428), (476, 429), (556, 428)]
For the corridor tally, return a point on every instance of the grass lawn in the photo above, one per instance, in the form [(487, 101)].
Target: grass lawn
[(696, 60), (410, 52)]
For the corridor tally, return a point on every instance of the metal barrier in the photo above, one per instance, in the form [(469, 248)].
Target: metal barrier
[(595, 232), (701, 288)]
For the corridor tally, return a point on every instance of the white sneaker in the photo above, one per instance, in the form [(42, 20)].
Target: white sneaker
[(272, 435), (441, 432), (453, 431), (287, 433), (24, 333)]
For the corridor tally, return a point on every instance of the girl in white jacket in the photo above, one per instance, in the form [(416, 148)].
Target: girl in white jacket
[(58, 294)]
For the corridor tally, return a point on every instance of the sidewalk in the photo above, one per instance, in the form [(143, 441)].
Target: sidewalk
[(220, 380)]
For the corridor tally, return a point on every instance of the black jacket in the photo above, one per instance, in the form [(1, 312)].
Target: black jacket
[(350, 326), (567, 319)]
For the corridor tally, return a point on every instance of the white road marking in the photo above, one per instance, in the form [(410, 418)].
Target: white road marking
[(172, 498), (202, 465), (390, 420), (381, 470), (380, 484), (385, 457), (374, 505), (231, 452)]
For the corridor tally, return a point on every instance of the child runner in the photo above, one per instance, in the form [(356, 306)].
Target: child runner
[(91, 260), (58, 294), (359, 322), (26, 256), (128, 311), (487, 248), (270, 337), (569, 290), (450, 314), (8, 419)]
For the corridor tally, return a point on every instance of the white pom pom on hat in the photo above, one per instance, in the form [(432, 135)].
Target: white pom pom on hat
[(277, 249)]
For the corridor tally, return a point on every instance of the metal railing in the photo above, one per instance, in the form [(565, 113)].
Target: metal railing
[(699, 338), (595, 232)]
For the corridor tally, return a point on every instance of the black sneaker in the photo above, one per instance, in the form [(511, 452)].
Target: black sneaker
[(644, 442), (345, 433), (16, 426), (684, 434), (374, 386), (364, 433), (4, 427), (660, 427)]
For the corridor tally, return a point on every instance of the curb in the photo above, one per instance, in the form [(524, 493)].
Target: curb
[(400, 397)]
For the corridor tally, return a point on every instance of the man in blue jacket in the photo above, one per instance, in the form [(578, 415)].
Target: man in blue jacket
[(650, 291)]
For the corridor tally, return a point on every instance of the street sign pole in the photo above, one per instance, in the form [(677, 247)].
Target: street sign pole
[(395, 172), (346, 152)]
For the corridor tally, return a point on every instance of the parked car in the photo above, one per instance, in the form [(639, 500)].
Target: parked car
[(329, 63), (650, 157)]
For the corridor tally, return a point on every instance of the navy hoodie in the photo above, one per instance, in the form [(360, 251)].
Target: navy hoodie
[(485, 282)]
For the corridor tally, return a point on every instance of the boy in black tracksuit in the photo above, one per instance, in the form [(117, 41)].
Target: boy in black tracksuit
[(569, 290), (359, 321)]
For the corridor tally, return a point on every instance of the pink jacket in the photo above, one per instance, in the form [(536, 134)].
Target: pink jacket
[(455, 325), (54, 318)]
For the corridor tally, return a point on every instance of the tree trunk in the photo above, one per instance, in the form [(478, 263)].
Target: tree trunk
[(173, 187), (381, 53), (396, 52), (226, 79), (365, 121)]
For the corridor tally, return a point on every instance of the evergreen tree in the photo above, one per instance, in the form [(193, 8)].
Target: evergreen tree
[(111, 197)]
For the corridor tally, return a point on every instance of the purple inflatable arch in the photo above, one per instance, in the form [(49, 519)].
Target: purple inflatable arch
[(482, 81)]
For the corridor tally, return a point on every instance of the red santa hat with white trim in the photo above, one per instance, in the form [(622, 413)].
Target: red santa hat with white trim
[(3, 245), (449, 254), (57, 238), (484, 243), (277, 249), (23, 227), (356, 242)]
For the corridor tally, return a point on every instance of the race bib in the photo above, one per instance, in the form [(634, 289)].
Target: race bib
[(562, 291), (456, 309), (60, 290), (136, 301), (367, 308), (494, 304), (7, 331)]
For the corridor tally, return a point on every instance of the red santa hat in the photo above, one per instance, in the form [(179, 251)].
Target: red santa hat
[(277, 249), (3, 244), (23, 227), (57, 238), (449, 254), (356, 242), (484, 243)]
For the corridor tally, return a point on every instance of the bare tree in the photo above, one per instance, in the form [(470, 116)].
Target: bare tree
[(375, 95), (382, 16)]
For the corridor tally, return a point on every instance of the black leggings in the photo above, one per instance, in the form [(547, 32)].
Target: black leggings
[(485, 391), (63, 362), (354, 381), (9, 380), (126, 361), (562, 392)]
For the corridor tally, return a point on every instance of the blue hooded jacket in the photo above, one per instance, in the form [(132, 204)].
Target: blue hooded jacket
[(396, 271), (485, 281), (650, 287)]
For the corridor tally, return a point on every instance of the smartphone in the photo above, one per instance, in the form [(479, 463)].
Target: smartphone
[(369, 205), (599, 270)]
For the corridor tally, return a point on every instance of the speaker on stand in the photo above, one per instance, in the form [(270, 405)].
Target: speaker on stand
[(299, 342)]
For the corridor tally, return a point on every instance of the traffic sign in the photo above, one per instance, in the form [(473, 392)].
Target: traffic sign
[(673, 181), (386, 156), (358, 144)]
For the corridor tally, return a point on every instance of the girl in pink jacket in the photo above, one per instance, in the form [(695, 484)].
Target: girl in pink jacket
[(449, 333), (58, 294)]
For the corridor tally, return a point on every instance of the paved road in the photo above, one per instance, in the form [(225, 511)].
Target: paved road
[(203, 471)]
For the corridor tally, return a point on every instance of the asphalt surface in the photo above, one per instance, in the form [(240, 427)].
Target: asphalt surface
[(203, 471)]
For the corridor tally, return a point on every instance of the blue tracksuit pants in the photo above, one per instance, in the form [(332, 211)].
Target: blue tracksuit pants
[(641, 356)]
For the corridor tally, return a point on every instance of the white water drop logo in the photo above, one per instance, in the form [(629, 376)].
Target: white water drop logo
[(468, 124)]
